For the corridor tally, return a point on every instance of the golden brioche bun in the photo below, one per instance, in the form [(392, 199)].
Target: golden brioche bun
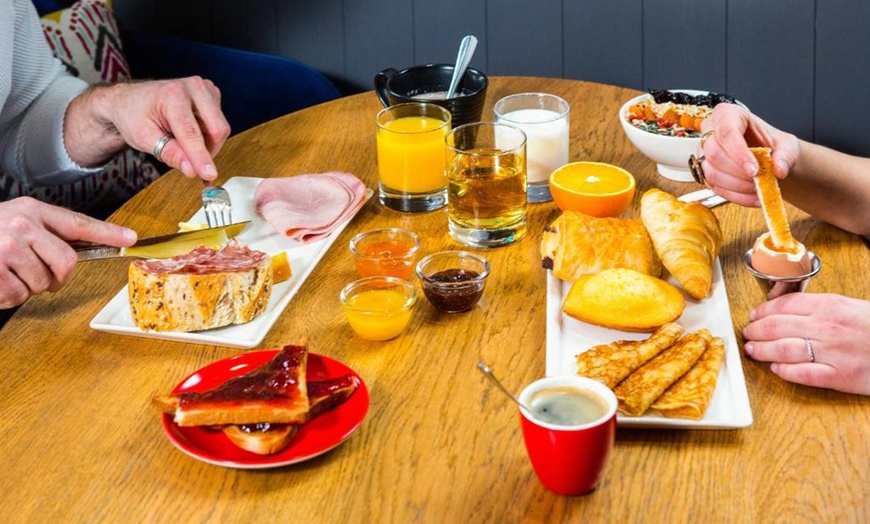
[(624, 299)]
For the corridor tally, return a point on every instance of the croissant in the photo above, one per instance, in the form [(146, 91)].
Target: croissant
[(687, 237), (577, 244)]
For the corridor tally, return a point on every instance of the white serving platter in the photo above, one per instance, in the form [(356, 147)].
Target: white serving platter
[(729, 407), (115, 316)]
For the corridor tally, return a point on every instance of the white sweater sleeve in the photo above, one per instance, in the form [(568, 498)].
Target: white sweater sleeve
[(35, 90)]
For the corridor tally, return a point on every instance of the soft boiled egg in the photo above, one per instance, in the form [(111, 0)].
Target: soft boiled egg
[(783, 264)]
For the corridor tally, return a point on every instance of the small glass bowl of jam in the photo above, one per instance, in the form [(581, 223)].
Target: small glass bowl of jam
[(387, 252), (378, 308), (453, 281)]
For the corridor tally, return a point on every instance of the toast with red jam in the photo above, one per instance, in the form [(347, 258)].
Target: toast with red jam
[(266, 438), (275, 392)]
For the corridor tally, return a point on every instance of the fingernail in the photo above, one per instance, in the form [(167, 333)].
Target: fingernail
[(130, 236), (775, 368), (748, 349), (752, 315), (750, 168), (783, 168), (185, 167), (211, 171)]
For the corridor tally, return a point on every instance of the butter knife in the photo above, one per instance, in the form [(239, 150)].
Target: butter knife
[(165, 246), (705, 196)]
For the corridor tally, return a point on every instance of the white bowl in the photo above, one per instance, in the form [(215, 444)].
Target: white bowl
[(670, 153)]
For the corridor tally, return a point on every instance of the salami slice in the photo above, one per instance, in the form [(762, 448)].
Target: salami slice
[(309, 207), (235, 256)]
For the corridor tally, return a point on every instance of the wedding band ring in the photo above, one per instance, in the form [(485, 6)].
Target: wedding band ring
[(705, 136), (697, 169), (809, 345), (161, 143)]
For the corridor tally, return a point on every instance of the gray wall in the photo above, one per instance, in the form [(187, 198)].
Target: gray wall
[(803, 65)]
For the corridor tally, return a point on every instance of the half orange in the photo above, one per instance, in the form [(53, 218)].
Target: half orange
[(593, 188)]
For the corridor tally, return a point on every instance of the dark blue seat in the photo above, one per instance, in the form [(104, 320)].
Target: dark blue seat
[(255, 87)]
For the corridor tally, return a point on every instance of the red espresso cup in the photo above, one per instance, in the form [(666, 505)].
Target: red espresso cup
[(570, 431)]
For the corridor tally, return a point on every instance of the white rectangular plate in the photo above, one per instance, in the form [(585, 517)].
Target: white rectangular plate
[(115, 316), (729, 408)]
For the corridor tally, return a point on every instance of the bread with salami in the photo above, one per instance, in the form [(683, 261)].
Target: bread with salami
[(200, 290)]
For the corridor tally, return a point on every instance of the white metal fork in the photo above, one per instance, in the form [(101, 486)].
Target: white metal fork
[(217, 205)]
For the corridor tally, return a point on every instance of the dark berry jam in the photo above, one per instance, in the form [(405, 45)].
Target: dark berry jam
[(453, 290)]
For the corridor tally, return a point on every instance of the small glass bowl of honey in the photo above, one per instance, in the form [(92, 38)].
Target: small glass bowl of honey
[(453, 281), (389, 252), (378, 308)]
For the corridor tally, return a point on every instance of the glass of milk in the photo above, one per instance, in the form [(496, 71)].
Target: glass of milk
[(544, 119)]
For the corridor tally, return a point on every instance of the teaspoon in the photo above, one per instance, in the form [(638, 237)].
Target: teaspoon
[(488, 373), (466, 51)]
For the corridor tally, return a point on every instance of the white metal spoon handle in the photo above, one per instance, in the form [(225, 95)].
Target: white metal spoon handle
[(488, 373), (463, 58)]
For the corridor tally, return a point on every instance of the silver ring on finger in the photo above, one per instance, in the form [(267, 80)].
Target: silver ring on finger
[(161, 143), (811, 356)]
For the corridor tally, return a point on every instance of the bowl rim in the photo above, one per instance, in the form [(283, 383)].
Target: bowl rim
[(458, 254), (393, 230), (410, 294), (627, 125)]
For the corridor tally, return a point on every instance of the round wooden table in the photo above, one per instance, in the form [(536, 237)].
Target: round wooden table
[(82, 442)]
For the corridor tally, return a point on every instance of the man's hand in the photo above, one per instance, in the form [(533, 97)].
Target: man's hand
[(35, 254)]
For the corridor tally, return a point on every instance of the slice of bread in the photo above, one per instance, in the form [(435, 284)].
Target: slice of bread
[(262, 438), (275, 392), (200, 290), (267, 439), (767, 187), (624, 299)]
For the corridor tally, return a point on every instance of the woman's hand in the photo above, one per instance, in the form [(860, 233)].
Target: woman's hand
[(834, 328), (35, 254), (729, 165)]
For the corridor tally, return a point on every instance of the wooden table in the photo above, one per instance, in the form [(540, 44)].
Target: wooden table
[(82, 443)]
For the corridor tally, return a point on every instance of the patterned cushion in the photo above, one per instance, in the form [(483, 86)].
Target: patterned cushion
[(85, 38)]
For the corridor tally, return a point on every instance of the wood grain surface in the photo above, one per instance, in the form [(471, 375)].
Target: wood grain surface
[(82, 443)]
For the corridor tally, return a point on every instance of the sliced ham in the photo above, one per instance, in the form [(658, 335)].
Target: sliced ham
[(309, 207)]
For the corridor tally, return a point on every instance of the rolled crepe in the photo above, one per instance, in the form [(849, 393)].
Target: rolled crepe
[(611, 363), (690, 396), (637, 392)]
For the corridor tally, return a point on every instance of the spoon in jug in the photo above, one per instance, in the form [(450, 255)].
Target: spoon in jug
[(466, 51), (488, 372)]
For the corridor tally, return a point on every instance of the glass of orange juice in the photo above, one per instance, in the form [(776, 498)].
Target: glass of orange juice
[(411, 157)]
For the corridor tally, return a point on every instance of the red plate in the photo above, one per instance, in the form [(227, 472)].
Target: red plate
[(316, 437)]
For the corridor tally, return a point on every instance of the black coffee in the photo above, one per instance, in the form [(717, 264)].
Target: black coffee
[(567, 406)]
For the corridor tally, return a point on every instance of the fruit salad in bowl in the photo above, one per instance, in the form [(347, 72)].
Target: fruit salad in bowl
[(665, 125)]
